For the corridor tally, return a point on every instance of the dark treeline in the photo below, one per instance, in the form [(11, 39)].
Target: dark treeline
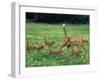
[(57, 18)]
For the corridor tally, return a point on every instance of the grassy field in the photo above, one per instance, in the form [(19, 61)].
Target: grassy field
[(35, 32)]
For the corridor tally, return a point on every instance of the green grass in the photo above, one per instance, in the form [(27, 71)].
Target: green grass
[(37, 31)]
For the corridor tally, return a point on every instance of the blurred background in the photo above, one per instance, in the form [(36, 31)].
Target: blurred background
[(57, 18)]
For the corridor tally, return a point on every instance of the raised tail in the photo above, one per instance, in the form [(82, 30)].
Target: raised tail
[(65, 32)]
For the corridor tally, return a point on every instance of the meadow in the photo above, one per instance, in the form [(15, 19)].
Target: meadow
[(35, 33)]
